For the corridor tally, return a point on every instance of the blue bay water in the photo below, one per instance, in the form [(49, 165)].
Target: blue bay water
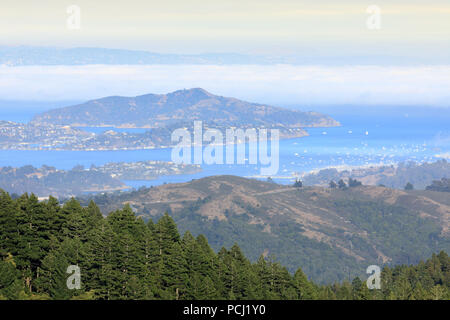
[(385, 138)]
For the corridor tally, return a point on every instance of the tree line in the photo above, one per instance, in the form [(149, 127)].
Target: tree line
[(123, 257)]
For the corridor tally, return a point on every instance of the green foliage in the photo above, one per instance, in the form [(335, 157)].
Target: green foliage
[(342, 185), (418, 174), (409, 186), (121, 257), (354, 183), (442, 185), (390, 225), (298, 183)]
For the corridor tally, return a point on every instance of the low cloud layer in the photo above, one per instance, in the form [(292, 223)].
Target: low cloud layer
[(277, 85)]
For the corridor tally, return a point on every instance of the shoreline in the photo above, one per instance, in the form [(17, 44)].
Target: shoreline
[(339, 168), (284, 134)]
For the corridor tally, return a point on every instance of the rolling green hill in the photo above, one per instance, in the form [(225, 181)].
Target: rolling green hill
[(331, 234)]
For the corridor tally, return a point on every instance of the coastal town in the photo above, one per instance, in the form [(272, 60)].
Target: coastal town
[(19, 136), (48, 180)]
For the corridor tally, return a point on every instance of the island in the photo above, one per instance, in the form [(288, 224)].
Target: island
[(160, 114)]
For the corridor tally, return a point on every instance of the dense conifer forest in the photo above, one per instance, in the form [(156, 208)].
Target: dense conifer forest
[(123, 257)]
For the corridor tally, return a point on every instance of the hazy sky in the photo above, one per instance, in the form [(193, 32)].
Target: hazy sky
[(408, 27)]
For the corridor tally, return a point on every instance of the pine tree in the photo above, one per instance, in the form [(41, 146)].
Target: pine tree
[(305, 289), (402, 288), (166, 233), (437, 292), (357, 289), (147, 249), (240, 273), (174, 272), (419, 293), (263, 289), (126, 256), (76, 224), (34, 232), (200, 261), (11, 286), (53, 276), (101, 269), (8, 225)]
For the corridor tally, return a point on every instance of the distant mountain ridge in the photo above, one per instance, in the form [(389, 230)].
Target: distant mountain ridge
[(30, 55), (181, 106), (49, 56)]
